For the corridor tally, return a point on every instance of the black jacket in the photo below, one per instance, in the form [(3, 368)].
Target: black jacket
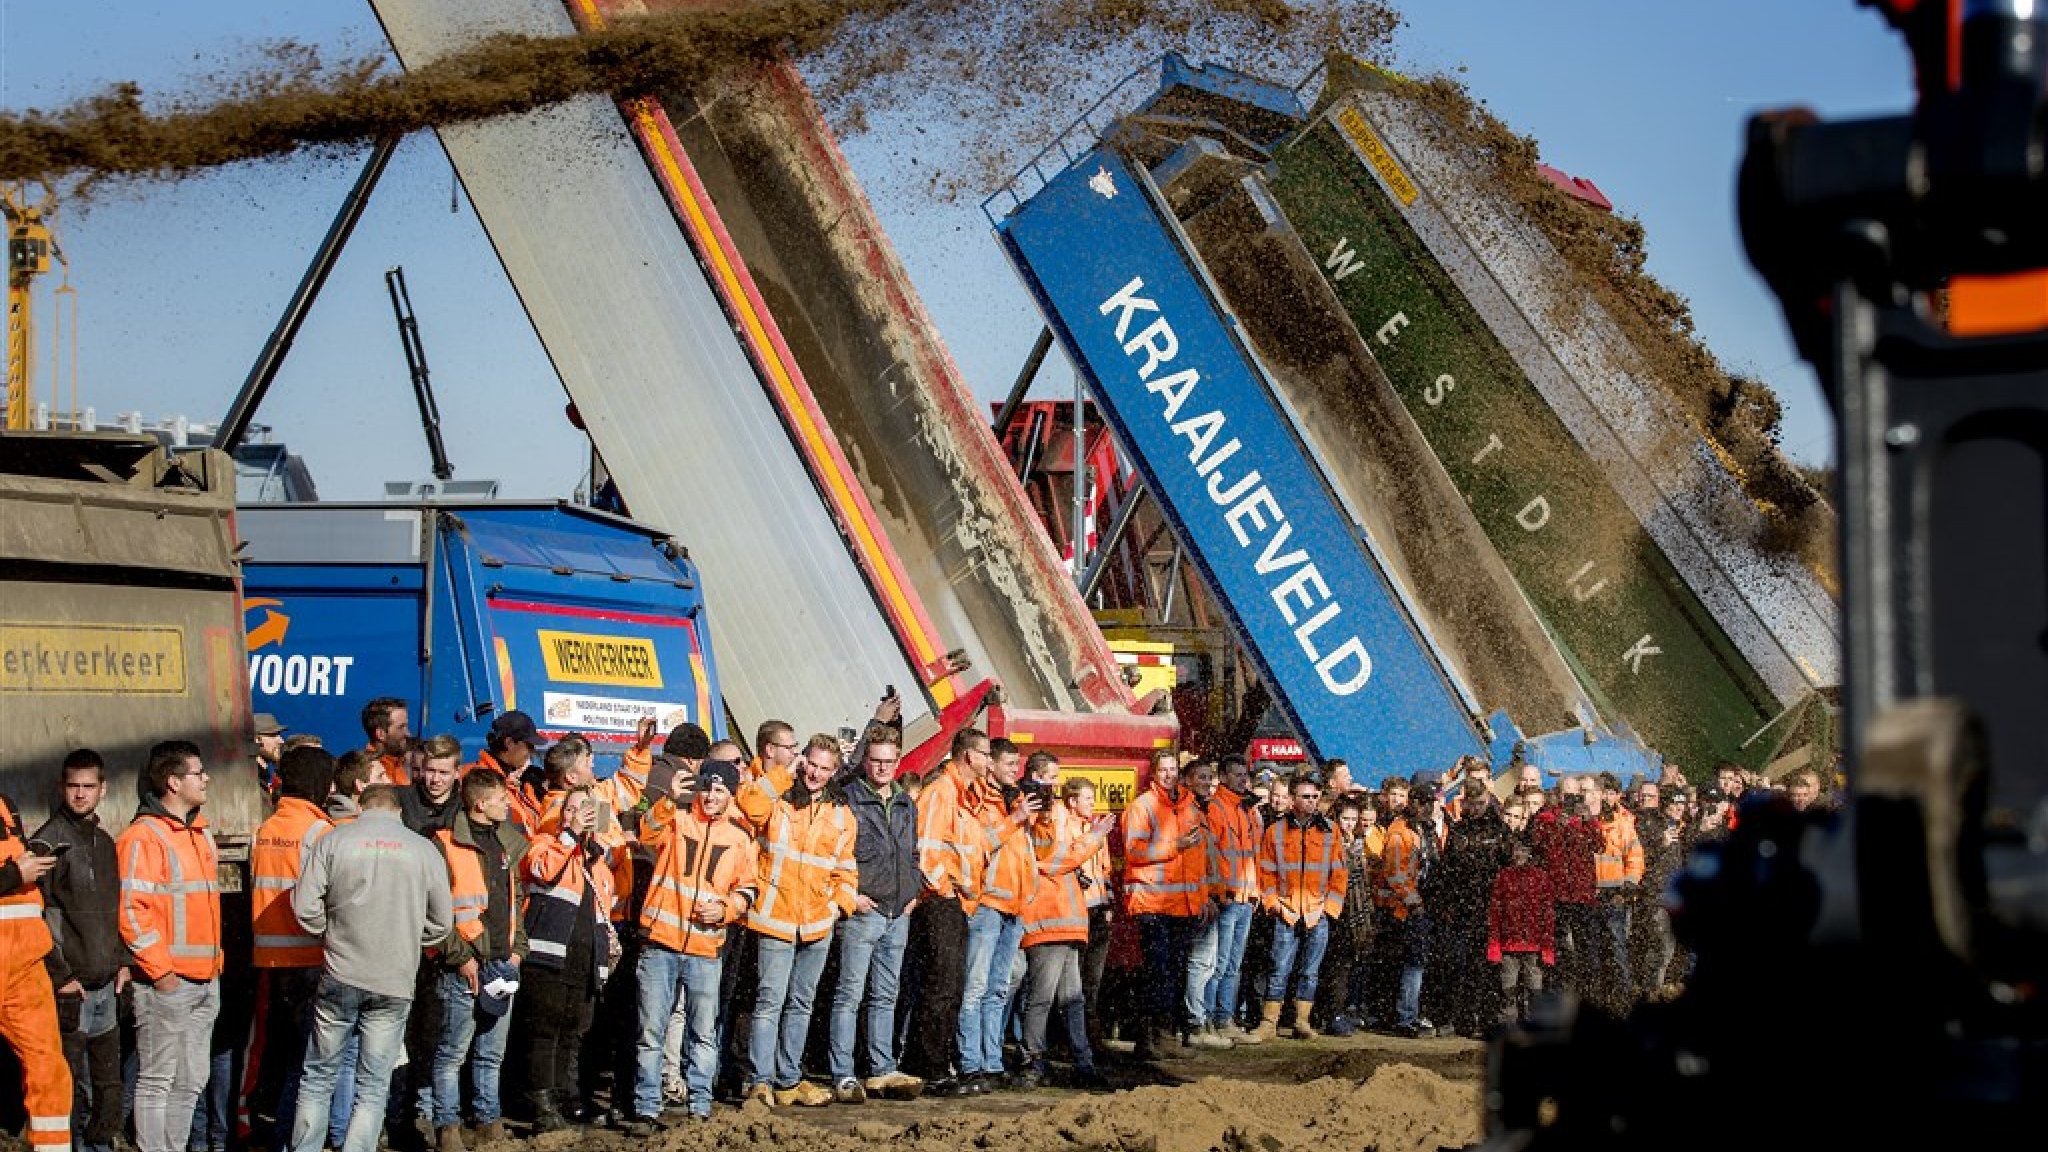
[(423, 815), (82, 895), (884, 846)]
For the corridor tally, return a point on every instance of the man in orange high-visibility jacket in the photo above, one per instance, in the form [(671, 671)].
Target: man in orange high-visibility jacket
[(287, 957), (1617, 875), (704, 878), (1401, 938), (170, 919), (1233, 877), (1302, 879), (28, 1005), (1166, 890), (995, 929), (512, 749), (1056, 927), (808, 881), (952, 855)]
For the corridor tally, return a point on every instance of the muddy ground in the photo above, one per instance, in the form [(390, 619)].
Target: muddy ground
[(1322, 1095)]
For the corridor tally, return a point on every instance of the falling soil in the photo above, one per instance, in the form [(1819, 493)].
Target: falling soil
[(294, 100), (1607, 253)]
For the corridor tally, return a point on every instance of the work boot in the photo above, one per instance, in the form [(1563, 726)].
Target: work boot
[(804, 1095), (895, 1086), (1207, 1037), (547, 1116), (1269, 1023), (448, 1138), (1303, 1030), (489, 1133)]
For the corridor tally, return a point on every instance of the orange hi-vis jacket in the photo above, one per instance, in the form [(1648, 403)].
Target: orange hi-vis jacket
[(395, 771), (808, 878), (1301, 869), (28, 1004), (755, 800), (695, 858), (557, 872), (617, 858), (468, 891), (1620, 859), (282, 845), (1233, 849), (24, 934), (1160, 877), (170, 895), (1397, 883), (1062, 846), (1012, 876), (526, 790), (952, 840)]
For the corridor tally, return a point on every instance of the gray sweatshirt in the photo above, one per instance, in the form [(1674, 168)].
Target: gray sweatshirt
[(370, 889)]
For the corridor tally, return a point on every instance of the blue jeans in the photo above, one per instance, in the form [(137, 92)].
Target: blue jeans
[(471, 1037), (1413, 937), (342, 1104), (339, 1011), (995, 997), (1615, 917), (1163, 941), (870, 961), (1203, 951), (1233, 928), (782, 1007), (665, 977), (983, 929), (1290, 941)]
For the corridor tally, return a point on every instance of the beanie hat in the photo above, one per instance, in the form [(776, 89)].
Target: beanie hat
[(724, 771)]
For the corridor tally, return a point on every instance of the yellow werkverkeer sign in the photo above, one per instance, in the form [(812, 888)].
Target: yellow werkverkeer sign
[(50, 658), (584, 658)]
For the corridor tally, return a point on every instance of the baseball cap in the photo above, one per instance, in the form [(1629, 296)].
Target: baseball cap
[(1423, 793), (514, 725), (721, 770), (267, 725)]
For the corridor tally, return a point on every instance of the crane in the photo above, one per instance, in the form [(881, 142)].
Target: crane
[(31, 246)]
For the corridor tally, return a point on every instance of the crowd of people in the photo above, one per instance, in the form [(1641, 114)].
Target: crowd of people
[(665, 936)]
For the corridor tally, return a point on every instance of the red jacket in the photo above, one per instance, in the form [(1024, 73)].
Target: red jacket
[(1523, 914), (1568, 845)]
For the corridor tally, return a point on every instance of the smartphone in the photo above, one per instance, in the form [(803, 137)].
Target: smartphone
[(606, 821), (45, 848), (848, 736)]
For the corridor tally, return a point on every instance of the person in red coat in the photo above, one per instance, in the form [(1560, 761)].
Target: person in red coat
[(1566, 841), (1521, 936)]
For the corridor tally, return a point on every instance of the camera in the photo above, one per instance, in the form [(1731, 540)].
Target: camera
[(1031, 789)]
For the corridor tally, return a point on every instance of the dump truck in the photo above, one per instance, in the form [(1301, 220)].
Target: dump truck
[(586, 621), (759, 379), (1218, 158), (120, 621)]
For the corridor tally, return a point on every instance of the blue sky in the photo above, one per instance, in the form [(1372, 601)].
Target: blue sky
[(179, 283)]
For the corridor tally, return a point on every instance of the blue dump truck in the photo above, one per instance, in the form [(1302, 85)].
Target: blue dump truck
[(585, 621)]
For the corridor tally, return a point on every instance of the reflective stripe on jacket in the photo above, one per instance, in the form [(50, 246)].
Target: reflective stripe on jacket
[(24, 935), (807, 872), (695, 858), (1301, 870), (170, 895), (1160, 877), (279, 855)]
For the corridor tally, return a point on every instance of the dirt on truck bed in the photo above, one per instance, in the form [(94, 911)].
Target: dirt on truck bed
[(1323, 1095)]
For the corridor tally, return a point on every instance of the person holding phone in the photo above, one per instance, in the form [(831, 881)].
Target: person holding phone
[(88, 963), (571, 948)]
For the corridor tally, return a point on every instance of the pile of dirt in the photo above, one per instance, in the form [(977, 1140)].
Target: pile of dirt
[(1607, 253), (1400, 1108)]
